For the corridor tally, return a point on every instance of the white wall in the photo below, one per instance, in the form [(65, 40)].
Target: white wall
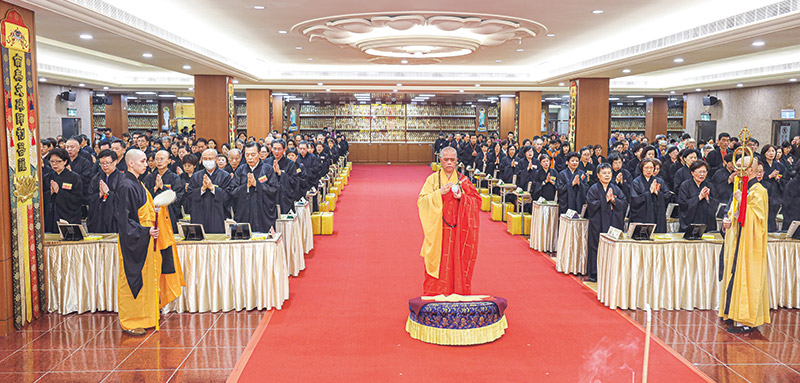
[(755, 107), (52, 109)]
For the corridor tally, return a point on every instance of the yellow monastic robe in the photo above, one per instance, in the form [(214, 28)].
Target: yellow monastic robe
[(429, 204), (157, 289), (744, 288)]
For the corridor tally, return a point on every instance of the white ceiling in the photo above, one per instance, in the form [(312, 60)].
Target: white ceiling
[(230, 37)]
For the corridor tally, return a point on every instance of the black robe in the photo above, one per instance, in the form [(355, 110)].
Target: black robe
[(560, 162), (255, 204), (85, 168), (172, 182), (602, 215), (589, 169), (774, 199), (721, 189), (668, 169), (311, 164), (571, 196), (524, 175), (627, 180), (695, 211), (208, 208), (66, 204), (681, 174), (288, 183), (541, 188), (647, 207), (101, 210), (507, 171), (791, 203)]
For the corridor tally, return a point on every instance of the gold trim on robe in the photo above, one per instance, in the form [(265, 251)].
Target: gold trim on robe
[(429, 203)]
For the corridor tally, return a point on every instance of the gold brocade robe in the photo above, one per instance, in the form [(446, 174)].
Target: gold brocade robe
[(157, 289), (429, 204), (744, 289)]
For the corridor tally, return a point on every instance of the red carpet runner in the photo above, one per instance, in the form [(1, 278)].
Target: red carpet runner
[(345, 319)]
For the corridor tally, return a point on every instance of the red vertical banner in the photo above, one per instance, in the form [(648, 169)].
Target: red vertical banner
[(573, 113)]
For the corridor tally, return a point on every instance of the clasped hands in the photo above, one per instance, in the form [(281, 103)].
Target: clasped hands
[(207, 184)]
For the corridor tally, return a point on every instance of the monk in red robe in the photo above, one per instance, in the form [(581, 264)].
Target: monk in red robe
[(448, 209)]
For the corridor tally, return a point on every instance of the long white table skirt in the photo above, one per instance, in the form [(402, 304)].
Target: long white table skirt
[(544, 227), (292, 243), (306, 228), (573, 248), (220, 275)]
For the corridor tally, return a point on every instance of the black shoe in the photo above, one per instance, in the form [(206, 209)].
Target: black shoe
[(592, 278), (741, 329), (728, 322)]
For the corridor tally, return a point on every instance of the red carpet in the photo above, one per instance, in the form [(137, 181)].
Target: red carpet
[(345, 319)]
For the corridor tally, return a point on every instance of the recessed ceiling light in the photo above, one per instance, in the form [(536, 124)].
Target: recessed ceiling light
[(758, 43), (235, 81), (739, 85), (42, 79), (183, 98), (310, 59), (298, 48), (477, 85), (520, 50), (551, 35), (398, 84), (498, 61), (320, 84), (678, 60), (553, 98), (259, 7), (132, 98), (147, 55), (561, 84), (672, 92), (626, 71), (597, 11), (461, 91), (86, 36), (403, 61), (100, 94), (105, 88), (395, 90), (632, 96), (187, 67), (613, 99), (327, 90), (191, 88), (145, 93), (166, 95), (283, 32), (698, 90), (81, 85), (792, 80)]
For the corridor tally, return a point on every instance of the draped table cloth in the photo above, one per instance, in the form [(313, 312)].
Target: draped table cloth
[(289, 226), (220, 275), (544, 227), (680, 274), (573, 248), (306, 228)]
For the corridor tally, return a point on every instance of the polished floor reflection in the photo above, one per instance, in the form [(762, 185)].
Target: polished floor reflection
[(91, 348), (771, 354)]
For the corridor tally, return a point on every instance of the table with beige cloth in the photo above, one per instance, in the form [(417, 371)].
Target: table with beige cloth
[(572, 245), (544, 226), (220, 275), (680, 274), (306, 228), (292, 242)]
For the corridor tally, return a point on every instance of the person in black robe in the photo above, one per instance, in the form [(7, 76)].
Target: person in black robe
[(586, 165), (508, 165), (483, 161), (572, 185), (697, 204), (649, 198), (311, 164), (773, 182), (561, 158), (605, 207), (526, 169), (300, 173), (774, 200), (208, 192), (688, 157), (288, 176), (716, 158), (496, 157), (255, 191), (620, 176), (722, 181), (469, 152), (102, 189), (597, 155), (670, 162), (324, 160), (544, 180), (791, 200), (164, 179), (62, 193)]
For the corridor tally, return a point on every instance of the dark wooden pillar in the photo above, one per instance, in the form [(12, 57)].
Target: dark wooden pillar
[(655, 118), (117, 115), (593, 124), (530, 114), (259, 114), (211, 107)]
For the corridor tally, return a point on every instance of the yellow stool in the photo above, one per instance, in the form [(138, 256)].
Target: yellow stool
[(324, 206), (486, 203), (335, 191), (331, 199), (526, 224), (514, 223), (495, 198), (316, 222), (483, 191), (326, 223)]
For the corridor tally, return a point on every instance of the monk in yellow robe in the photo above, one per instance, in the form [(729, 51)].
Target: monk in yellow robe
[(448, 209), (149, 274), (744, 289)]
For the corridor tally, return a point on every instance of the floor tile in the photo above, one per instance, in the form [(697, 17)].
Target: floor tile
[(204, 375), (680, 317), (16, 340), (45, 323), (226, 338), (784, 317), (721, 373), (706, 334), (201, 321), (145, 376), (115, 339), (20, 377), (766, 374), (788, 353), (94, 359), (737, 353), (62, 340), (33, 361), (766, 334), (239, 319), (694, 353), (87, 322), (174, 338), (213, 357), (74, 376), (155, 359)]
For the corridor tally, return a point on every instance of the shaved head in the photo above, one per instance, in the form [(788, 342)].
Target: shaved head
[(449, 149), (137, 162), (134, 155)]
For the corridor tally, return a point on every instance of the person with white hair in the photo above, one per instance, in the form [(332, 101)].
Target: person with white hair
[(208, 194)]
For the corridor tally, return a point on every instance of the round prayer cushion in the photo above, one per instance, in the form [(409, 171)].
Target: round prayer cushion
[(457, 323)]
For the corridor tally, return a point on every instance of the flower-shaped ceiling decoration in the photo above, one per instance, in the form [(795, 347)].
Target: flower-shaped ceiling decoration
[(420, 36)]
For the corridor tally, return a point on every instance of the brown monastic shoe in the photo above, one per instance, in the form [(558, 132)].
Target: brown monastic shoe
[(135, 332)]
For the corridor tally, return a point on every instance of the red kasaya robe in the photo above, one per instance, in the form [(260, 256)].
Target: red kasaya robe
[(451, 234)]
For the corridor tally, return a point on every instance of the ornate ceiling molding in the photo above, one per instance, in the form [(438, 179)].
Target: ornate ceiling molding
[(419, 36)]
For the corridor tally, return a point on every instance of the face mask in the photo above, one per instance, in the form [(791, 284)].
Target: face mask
[(209, 164)]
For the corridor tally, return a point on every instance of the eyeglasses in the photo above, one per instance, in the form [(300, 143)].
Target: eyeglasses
[(106, 163), (56, 161)]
